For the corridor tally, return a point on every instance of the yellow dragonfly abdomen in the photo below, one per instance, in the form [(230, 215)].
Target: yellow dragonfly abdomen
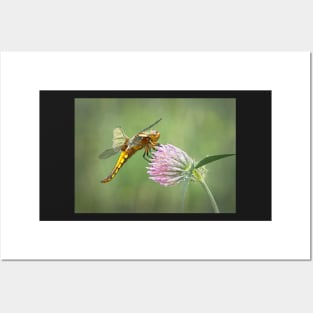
[(120, 162)]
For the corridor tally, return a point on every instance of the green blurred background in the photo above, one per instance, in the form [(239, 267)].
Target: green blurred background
[(200, 127)]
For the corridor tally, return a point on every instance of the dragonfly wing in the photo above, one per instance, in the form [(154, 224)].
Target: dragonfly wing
[(147, 128), (134, 141), (109, 152), (119, 137)]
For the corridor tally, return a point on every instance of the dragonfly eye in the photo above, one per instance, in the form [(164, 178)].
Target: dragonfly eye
[(155, 136)]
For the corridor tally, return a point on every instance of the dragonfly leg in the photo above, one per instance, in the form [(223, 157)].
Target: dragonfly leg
[(146, 156), (156, 145)]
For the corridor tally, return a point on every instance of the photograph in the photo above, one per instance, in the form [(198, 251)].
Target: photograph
[(155, 155)]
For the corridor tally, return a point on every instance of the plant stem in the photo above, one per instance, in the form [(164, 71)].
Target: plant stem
[(205, 186)]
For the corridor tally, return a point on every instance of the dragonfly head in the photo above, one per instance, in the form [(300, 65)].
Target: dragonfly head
[(154, 136)]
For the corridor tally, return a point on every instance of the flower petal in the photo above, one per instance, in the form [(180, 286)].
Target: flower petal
[(169, 165)]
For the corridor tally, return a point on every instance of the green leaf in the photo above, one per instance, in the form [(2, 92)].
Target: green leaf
[(212, 158)]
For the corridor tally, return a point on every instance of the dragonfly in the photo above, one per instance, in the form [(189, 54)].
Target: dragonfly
[(146, 139)]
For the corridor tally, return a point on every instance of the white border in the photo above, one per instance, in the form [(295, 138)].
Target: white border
[(23, 74)]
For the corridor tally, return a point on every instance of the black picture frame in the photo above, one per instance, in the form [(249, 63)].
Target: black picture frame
[(253, 156)]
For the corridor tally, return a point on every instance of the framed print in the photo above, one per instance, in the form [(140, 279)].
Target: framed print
[(155, 156), (212, 120)]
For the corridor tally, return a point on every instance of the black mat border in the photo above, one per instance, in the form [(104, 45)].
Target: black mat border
[(253, 159)]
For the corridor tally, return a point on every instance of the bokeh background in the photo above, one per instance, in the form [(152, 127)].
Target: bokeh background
[(200, 127)]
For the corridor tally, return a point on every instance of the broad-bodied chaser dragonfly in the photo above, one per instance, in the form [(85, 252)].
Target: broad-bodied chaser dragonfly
[(145, 139)]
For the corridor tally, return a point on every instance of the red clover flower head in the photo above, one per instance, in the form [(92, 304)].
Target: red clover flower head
[(171, 165)]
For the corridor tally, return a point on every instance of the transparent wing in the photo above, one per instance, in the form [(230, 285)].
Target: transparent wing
[(109, 152), (119, 137), (147, 128), (118, 140), (134, 141)]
